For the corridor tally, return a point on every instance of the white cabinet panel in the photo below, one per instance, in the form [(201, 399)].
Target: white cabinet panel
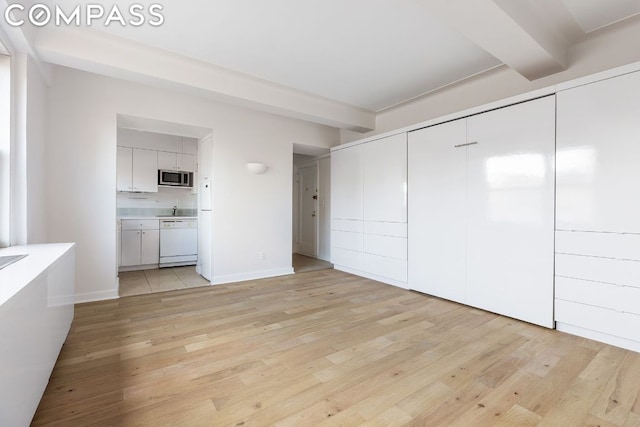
[(605, 295), (385, 179), (510, 206), (609, 245), (176, 161), (145, 171), (355, 226), (150, 247), (598, 156), (615, 323), (395, 269), (346, 258), (167, 161), (346, 183), (608, 270), (346, 240), (130, 243), (124, 169), (189, 146), (389, 246), (437, 210), (186, 163), (396, 229)]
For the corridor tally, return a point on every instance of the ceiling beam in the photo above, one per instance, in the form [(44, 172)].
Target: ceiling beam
[(514, 31), (108, 55)]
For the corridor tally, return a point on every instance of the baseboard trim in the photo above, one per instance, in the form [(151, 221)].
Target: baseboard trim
[(254, 275), (375, 277), (96, 296)]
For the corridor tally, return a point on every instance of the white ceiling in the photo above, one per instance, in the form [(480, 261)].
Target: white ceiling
[(335, 62)]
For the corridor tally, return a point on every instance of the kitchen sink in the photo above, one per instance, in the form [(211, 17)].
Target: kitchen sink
[(9, 259)]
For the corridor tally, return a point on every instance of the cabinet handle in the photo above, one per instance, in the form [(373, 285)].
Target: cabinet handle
[(464, 145)]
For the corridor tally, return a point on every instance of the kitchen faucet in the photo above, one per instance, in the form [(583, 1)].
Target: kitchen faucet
[(175, 208)]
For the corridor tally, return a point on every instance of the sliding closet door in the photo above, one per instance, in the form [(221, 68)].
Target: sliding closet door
[(510, 211), (437, 198)]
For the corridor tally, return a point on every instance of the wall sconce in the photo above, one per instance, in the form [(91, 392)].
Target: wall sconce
[(256, 168)]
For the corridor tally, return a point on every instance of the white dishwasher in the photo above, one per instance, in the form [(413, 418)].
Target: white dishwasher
[(178, 242)]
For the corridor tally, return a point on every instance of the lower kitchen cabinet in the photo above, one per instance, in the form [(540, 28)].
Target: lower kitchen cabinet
[(140, 242)]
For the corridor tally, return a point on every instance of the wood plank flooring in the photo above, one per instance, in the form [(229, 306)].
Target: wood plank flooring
[(325, 348)]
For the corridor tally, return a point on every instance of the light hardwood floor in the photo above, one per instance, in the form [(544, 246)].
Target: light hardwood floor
[(302, 263), (325, 348)]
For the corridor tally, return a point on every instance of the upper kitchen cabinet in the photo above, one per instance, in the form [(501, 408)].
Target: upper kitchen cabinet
[(137, 170), (598, 156), (384, 164), (176, 162)]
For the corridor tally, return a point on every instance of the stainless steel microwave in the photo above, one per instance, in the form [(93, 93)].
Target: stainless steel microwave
[(175, 178)]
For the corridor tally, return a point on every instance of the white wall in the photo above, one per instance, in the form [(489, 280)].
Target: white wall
[(28, 152), (592, 55), (5, 149), (251, 213), (324, 209)]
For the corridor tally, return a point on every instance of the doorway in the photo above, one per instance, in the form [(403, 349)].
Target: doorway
[(311, 204)]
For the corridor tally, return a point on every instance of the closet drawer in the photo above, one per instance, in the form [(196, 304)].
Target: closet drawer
[(609, 245), (396, 229), (604, 295), (393, 247), (346, 258), (346, 225), (346, 240), (623, 325), (608, 270), (391, 268)]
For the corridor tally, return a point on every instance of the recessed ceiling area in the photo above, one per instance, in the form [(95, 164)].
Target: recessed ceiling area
[(337, 63)]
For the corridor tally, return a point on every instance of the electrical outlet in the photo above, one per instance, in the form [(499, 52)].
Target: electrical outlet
[(263, 255)]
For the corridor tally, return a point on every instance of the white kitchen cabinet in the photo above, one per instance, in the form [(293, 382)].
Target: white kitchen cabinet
[(137, 170), (140, 242), (481, 210), (176, 161), (384, 171), (437, 214)]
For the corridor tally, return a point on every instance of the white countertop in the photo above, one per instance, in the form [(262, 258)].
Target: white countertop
[(16, 276)]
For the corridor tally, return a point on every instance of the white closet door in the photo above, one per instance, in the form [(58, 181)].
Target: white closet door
[(437, 171), (384, 163), (346, 183), (510, 211), (598, 160)]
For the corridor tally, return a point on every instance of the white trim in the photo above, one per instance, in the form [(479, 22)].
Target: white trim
[(243, 277), (603, 75), (96, 296), (375, 277)]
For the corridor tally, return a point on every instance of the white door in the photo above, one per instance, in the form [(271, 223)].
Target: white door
[(124, 167), (510, 211), (437, 210), (150, 247), (308, 210)]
